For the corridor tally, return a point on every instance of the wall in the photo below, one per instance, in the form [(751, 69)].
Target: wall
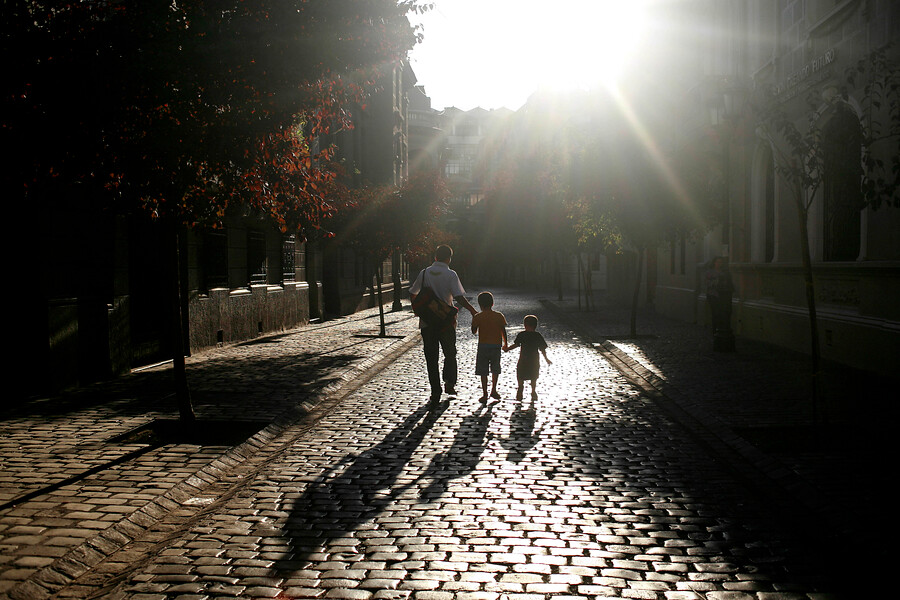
[(225, 316), (243, 309)]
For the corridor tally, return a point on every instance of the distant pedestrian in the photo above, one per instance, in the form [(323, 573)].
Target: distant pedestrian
[(435, 338), (533, 346), (490, 326), (719, 291)]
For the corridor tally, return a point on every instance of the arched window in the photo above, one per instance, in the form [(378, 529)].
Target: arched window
[(842, 139), (769, 205)]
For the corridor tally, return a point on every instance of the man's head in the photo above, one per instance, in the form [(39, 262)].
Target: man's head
[(530, 322), (485, 300), (443, 254)]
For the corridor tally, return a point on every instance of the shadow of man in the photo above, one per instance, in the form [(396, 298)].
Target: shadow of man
[(353, 491), (462, 456)]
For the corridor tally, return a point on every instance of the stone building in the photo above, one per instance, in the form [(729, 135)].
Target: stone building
[(375, 151), (751, 55)]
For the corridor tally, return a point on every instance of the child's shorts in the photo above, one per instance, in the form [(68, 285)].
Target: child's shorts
[(487, 359)]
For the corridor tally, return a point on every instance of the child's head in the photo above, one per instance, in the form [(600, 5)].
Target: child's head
[(485, 300), (530, 322)]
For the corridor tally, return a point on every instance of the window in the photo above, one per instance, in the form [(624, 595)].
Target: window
[(257, 265), (818, 10), (288, 252), (672, 257), (769, 208), (842, 173), (213, 259)]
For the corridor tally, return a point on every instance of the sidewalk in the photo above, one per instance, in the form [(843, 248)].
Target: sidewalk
[(79, 477), (755, 405)]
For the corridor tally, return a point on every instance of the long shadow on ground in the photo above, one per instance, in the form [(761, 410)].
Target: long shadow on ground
[(354, 490)]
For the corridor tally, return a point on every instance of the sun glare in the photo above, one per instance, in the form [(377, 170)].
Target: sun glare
[(582, 44), (489, 51)]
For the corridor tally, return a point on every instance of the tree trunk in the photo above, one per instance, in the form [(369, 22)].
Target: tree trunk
[(559, 285), (395, 274), (635, 298), (379, 273), (588, 287), (809, 282), (578, 278), (177, 332)]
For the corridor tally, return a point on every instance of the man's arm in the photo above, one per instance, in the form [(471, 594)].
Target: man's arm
[(416, 286), (461, 300)]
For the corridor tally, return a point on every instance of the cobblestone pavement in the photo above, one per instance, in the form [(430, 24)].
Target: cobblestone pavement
[(611, 483), (76, 483), (829, 454)]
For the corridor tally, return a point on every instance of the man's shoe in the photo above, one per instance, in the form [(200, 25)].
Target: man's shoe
[(450, 389), (495, 395)]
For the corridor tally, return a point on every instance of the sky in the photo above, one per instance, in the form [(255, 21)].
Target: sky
[(496, 53)]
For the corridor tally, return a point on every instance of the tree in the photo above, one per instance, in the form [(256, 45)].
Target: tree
[(524, 220), (623, 206), (802, 157), (627, 195), (379, 221), (193, 107), (184, 112)]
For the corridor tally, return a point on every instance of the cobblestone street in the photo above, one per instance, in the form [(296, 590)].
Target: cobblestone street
[(589, 491)]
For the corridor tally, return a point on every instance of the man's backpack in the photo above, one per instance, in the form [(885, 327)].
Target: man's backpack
[(431, 309)]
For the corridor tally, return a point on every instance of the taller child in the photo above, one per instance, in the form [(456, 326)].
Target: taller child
[(446, 285), (490, 326)]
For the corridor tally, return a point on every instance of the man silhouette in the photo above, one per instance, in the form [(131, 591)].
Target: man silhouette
[(435, 338)]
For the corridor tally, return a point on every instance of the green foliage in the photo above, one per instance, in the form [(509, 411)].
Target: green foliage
[(880, 76), (189, 109)]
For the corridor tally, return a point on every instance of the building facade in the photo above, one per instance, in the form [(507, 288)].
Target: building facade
[(375, 151), (792, 56)]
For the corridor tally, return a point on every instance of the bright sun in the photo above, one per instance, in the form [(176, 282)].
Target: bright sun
[(576, 43), (498, 49)]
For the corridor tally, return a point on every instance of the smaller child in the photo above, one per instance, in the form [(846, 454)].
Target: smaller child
[(529, 365), (490, 326)]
